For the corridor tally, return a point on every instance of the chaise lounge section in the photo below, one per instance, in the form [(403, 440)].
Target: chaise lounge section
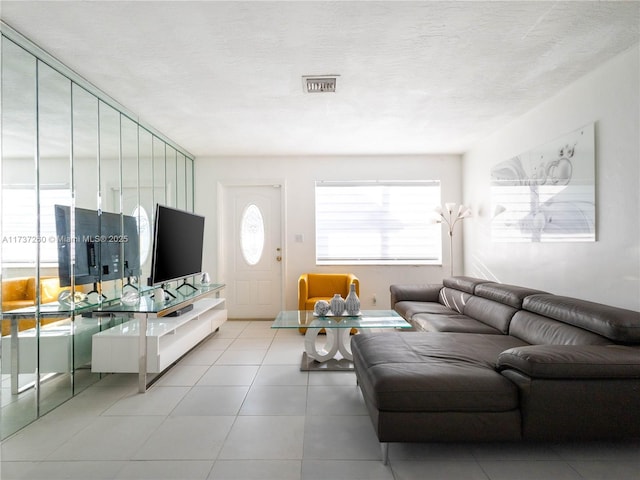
[(496, 362)]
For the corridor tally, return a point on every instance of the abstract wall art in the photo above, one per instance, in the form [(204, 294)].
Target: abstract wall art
[(548, 193)]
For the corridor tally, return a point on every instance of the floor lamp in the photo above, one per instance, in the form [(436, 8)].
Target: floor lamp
[(448, 216)]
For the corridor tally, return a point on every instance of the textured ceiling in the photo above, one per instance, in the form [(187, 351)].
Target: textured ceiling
[(224, 78)]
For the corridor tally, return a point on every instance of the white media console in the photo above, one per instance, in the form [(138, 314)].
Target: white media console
[(124, 349)]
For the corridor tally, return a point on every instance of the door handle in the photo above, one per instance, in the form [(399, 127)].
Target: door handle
[(279, 257)]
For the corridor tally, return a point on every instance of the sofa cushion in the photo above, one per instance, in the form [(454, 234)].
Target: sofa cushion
[(512, 295), (432, 322), (434, 372), (617, 324), (494, 314), (538, 330), (410, 308)]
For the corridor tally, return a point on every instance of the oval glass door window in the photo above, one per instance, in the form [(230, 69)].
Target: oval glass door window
[(252, 234), (144, 230)]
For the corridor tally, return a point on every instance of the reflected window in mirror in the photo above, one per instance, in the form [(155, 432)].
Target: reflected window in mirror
[(20, 236), (144, 230)]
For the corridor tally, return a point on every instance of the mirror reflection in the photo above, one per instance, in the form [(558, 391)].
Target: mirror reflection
[(145, 204), (53, 188), (73, 168), (181, 191), (171, 177), (19, 213)]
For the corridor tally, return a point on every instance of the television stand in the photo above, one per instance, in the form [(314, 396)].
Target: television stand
[(95, 290), (129, 284), (185, 283), (167, 292), (125, 348)]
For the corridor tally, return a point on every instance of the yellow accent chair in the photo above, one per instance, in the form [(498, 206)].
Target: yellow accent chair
[(323, 286), (21, 293)]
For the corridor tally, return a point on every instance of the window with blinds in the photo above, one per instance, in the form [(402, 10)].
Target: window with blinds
[(20, 238), (377, 223)]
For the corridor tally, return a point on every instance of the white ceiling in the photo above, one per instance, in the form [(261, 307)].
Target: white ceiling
[(224, 78)]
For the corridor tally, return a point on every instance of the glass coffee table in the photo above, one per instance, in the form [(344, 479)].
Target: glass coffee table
[(338, 330)]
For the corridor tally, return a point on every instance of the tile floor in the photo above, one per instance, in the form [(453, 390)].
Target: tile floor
[(238, 407)]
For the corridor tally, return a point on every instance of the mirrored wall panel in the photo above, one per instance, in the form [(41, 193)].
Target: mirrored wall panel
[(80, 178), (19, 224)]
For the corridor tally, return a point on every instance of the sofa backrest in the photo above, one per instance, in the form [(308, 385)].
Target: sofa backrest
[(454, 299), (49, 289), (496, 303), (540, 330), (328, 284), (511, 295), (494, 314), (464, 284), (457, 291), (540, 318), (616, 324)]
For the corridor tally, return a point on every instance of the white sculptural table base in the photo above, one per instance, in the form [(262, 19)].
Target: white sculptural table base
[(335, 352), (324, 357)]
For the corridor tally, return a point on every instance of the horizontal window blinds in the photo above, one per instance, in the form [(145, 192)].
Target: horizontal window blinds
[(377, 222), (20, 238)]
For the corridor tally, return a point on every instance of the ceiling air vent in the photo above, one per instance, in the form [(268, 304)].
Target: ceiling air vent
[(319, 84)]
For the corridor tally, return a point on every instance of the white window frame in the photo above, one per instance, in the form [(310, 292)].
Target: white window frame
[(377, 223)]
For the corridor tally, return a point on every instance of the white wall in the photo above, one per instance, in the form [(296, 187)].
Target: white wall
[(608, 270), (298, 175)]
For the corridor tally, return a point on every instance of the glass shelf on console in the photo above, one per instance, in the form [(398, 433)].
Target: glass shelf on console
[(148, 303), (52, 310)]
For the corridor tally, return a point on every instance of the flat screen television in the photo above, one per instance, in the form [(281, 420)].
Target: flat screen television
[(119, 246), (105, 248), (177, 245), (110, 247), (87, 251)]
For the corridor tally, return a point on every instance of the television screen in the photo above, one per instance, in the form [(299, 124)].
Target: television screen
[(177, 245), (107, 246), (87, 252), (119, 246), (110, 246)]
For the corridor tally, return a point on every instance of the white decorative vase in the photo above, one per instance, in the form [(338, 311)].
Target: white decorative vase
[(352, 302), (337, 304), (321, 308)]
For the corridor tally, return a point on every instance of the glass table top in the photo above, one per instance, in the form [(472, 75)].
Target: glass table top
[(368, 319), (145, 304)]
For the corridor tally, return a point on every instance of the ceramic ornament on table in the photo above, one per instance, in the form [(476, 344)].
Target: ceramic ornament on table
[(337, 304), (352, 303), (321, 308)]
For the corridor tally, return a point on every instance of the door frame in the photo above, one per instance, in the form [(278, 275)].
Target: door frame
[(222, 187)]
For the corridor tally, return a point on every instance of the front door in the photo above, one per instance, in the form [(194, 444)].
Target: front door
[(251, 250)]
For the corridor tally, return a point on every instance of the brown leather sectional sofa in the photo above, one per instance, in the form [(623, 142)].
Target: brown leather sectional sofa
[(496, 362)]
